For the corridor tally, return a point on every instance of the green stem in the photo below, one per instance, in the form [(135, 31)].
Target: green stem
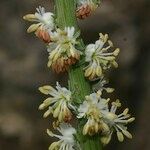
[(65, 13)]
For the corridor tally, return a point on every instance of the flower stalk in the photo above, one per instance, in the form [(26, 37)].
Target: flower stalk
[(65, 13)]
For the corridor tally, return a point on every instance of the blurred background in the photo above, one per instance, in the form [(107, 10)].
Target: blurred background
[(23, 69)]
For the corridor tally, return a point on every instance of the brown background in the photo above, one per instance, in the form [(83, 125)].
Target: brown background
[(23, 60)]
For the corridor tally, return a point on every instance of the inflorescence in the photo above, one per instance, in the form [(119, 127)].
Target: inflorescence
[(99, 114)]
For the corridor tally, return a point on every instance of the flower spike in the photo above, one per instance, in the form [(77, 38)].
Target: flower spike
[(95, 117)]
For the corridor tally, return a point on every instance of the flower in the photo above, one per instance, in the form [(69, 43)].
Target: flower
[(116, 123), (59, 104), (44, 25), (85, 8), (91, 110), (66, 140), (99, 58), (100, 119), (100, 85), (62, 51)]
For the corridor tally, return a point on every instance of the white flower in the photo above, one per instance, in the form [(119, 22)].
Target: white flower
[(116, 123), (100, 85), (66, 140), (45, 20), (99, 58), (59, 104), (62, 51), (65, 36), (85, 8), (99, 119), (91, 109)]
